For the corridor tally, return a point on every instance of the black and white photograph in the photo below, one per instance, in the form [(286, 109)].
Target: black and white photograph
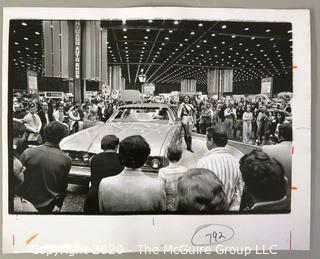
[(151, 116), (130, 116)]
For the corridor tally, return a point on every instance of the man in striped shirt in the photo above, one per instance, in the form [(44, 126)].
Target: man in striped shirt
[(224, 165)]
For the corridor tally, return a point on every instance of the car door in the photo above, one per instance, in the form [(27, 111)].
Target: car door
[(177, 135)]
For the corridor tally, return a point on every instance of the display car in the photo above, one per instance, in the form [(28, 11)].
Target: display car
[(156, 122)]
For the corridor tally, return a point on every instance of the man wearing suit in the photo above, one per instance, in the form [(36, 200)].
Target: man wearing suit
[(47, 170), (102, 165), (132, 190), (33, 125), (45, 116)]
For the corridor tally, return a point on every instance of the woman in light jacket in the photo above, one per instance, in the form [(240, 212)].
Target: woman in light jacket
[(247, 124)]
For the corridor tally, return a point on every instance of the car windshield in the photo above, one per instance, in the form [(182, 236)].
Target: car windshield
[(148, 114)]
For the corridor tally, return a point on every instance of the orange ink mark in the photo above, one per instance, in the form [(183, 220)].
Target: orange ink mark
[(31, 238), (293, 67)]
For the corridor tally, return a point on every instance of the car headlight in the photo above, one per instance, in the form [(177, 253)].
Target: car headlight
[(85, 158), (155, 163), (79, 158)]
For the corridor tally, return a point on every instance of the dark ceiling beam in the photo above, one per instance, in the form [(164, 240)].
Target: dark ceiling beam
[(186, 75), (168, 74), (179, 74), (255, 36), (27, 60), (147, 70), (129, 76), (117, 46), (223, 49), (150, 41), (118, 51), (139, 50), (220, 50), (129, 41), (158, 28), (137, 73), (279, 34), (153, 45), (228, 67), (156, 71), (151, 28), (229, 45), (134, 63), (186, 49)]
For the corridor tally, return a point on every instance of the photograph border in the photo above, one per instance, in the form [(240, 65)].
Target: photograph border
[(298, 237)]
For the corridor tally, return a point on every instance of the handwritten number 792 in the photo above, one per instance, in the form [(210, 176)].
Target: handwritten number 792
[(215, 237)]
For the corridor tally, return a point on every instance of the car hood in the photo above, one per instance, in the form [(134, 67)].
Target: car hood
[(89, 140)]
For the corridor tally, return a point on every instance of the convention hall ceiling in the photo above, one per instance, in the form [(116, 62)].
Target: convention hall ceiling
[(168, 51)]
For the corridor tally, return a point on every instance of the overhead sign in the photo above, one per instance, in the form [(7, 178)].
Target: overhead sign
[(77, 37), (130, 96), (54, 94), (148, 88), (266, 86), (32, 81), (51, 94), (106, 90), (78, 94)]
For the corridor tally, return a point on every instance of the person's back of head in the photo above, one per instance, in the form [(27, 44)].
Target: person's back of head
[(109, 142), (174, 153), (200, 189), (134, 151), (285, 132), (263, 176), (54, 132), (18, 129), (217, 135)]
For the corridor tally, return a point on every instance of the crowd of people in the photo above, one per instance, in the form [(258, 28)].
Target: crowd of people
[(261, 180), (248, 120), (219, 182), (35, 113)]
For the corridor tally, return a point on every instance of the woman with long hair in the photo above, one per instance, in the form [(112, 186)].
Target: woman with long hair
[(279, 119), (185, 114), (247, 118)]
